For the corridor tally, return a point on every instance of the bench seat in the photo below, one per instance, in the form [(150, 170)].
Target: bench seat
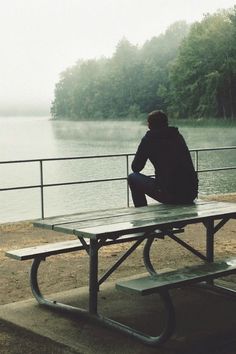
[(175, 279), (50, 249), (46, 250)]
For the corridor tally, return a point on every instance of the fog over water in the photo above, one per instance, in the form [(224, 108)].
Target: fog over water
[(35, 138)]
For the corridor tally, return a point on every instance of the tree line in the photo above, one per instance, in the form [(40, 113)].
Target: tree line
[(189, 71)]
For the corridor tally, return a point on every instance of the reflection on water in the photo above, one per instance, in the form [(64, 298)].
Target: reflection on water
[(31, 138)]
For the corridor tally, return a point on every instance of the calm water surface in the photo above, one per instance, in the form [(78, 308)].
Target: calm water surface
[(32, 138)]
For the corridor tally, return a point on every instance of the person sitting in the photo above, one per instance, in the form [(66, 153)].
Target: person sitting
[(175, 179)]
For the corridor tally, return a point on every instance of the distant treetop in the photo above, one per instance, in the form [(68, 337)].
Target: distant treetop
[(188, 71)]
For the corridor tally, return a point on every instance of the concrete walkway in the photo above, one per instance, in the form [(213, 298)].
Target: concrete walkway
[(206, 322)]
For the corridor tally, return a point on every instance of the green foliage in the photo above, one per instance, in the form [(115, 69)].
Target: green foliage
[(190, 72), (127, 85), (203, 81)]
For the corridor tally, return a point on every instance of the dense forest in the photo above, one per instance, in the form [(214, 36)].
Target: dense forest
[(189, 71)]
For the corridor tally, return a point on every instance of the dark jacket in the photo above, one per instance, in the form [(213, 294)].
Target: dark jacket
[(169, 154)]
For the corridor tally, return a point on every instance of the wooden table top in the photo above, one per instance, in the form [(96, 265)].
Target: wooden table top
[(117, 222)]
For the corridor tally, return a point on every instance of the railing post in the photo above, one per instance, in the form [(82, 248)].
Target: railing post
[(196, 163), (127, 174), (41, 188)]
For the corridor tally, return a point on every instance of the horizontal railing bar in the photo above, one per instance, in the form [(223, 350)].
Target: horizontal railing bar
[(214, 149), (99, 180), (103, 180), (64, 183), (42, 186), (18, 188), (67, 158), (217, 169), (105, 156)]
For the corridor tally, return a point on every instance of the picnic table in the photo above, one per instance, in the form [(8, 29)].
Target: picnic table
[(98, 229)]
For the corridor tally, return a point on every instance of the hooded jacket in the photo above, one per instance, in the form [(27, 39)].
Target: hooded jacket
[(169, 154)]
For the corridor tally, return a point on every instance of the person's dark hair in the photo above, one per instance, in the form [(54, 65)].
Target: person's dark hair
[(157, 120)]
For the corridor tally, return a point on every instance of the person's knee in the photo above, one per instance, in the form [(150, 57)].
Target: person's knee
[(132, 178)]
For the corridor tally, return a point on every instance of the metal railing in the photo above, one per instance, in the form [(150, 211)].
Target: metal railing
[(43, 185)]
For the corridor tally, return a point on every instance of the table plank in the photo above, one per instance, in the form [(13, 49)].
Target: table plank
[(129, 220), (69, 228), (118, 229), (50, 222), (174, 213)]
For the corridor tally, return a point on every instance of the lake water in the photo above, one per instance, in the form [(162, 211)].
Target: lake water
[(32, 138)]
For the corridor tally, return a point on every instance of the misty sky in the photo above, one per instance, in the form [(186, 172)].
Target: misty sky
[(40, 38)]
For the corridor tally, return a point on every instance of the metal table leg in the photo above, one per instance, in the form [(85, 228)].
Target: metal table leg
[(92, 314), (93, 276), (146, 256), (209, 224)]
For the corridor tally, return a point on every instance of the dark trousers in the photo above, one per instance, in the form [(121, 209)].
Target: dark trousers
[(141, 185)]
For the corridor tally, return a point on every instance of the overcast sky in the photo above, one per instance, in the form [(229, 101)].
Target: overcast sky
[(40, 38)]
